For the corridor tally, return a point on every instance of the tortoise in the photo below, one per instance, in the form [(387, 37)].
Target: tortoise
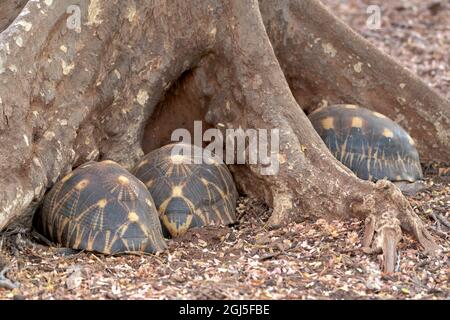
[(187, 191), (373, 146), (101, 207)]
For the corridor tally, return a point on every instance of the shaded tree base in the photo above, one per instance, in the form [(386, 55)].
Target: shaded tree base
[(70, 96)]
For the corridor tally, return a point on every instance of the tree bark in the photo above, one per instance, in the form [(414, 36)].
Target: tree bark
[(9, 10), (69, 96)]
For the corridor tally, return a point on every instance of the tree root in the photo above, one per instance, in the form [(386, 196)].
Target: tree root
[(5, 282), (440, 219), (382, 235), (91, 94), (388, 226)]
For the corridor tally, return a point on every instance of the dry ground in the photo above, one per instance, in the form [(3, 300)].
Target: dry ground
[(313, 259)]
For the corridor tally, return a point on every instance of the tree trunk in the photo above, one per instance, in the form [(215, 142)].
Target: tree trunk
[(70, 95), (9, 10)]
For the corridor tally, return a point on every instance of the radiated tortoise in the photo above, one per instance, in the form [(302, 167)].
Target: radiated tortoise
[(101, 207), (373, 146), (186, 192)]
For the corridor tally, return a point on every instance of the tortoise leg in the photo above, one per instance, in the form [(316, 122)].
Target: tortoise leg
[(411, 189)]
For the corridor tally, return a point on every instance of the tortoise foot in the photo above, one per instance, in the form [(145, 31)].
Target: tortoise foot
[(411, 189)]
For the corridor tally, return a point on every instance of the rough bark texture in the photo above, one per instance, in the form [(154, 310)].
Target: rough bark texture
[(9, 10), (69, 96)]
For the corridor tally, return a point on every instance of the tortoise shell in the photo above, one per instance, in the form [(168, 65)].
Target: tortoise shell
[(373, 146), (188, 192), (101, 207)]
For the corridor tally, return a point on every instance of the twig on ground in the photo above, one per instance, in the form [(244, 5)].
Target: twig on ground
[(270, 256)]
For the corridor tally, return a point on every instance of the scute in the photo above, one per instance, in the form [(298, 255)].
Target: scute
[(188, 195), (101, 207), (373, 146)]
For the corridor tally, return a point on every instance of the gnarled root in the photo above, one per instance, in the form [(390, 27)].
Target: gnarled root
[(382, 235), (409, 221), (5, 282), (310, 181), (92, 93), (383, 226), (412, 223)]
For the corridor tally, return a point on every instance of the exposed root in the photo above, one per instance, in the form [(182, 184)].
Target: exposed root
[(440, 219), (409, 221), (440, 233), (237, 76), (382, 235), (282, 209), (5, 282), (415, 226)]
